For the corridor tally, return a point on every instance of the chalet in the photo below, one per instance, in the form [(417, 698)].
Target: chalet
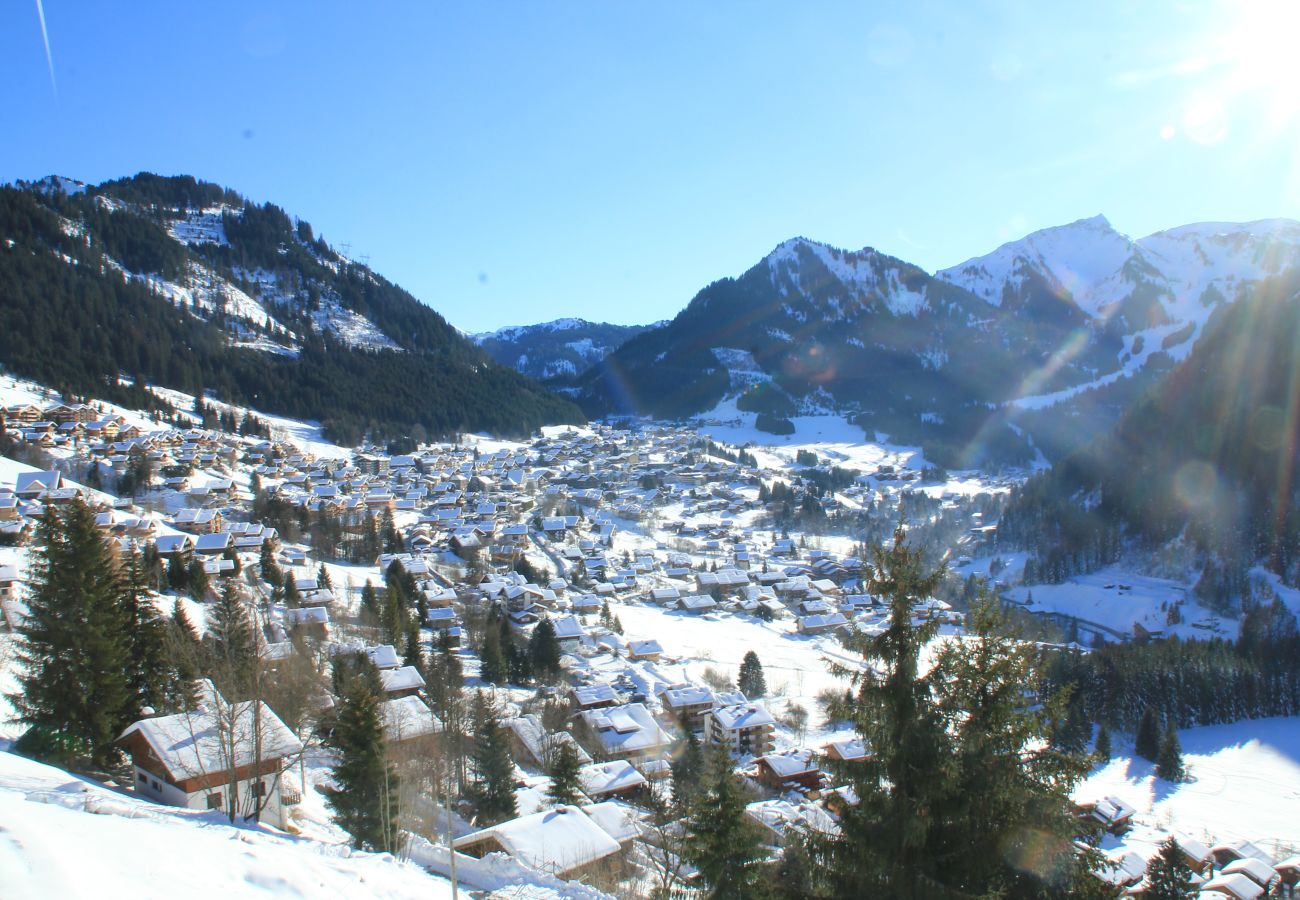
[(404, 681), (848, 750), (620, 821), (1258, 871), (697, 603), (624, 732), (649, 650), (408, 724), (1226, 853), (687, 703), (569, 632), (783, 818), (601, 781), (308, 621), (563, 842), (1234, 885), (532, 744), (186, 759), (743, 728), (1289, 871), (1122, 868), (384, 656), (594, 696), (35, 485), (1113, 813), (214, 544), (820, 624), (8, 582), (174, 545), (793, 768)]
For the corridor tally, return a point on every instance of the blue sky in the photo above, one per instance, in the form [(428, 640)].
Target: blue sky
[(512, 162)]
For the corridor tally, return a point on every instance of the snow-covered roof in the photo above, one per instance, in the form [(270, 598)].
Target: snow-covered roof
[(618, 820), (406, 718), (1233, 885), (626, 729), (555, 841), (743, 715), (790, 763), (384, 656), (609, 777), (404, 679), (193, 744)]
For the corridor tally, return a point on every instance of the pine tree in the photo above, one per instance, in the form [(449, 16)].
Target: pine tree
[(687, 768), (544, 650), (1102, 749), (565, 788), (370, 613), (1169, 877), (494, 668), (155, 679), (232, 645), (323, 578), (267, 565), (289, 593), (365, 801), (751, 681), (76, 642), (724, 843), (412, 655), (1147, 741), (1169, 760), (493, 789)]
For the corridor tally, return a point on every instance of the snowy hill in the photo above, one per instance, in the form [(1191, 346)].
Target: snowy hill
[(66, 837), (559, 349)]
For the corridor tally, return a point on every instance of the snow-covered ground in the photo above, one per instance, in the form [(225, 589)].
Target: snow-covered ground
[(1244, 785), (61, 836), (1117, 598)]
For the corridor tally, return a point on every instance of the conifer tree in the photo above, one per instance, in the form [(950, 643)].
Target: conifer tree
[(494, 668), (267, 565), (370, 613), (155, 680), (544, 650), (687, 768), (1169, 760), (323, 578), (751, 681), (723, 843), (289, 594), (1169, 877), (493, 789), (565, 789), (1147, 741), (365, 801), (76, 643), (412, 655), (1102, 749), (232, 645)]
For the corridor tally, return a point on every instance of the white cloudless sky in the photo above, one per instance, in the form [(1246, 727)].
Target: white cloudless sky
[(513, 162)]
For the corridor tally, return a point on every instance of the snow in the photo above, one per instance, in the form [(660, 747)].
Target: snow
[(1244, 785), (1116, 598), (201, 226), (66, 837), (1074, 258)]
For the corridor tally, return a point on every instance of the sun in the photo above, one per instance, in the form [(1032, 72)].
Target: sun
[(1259, 49)]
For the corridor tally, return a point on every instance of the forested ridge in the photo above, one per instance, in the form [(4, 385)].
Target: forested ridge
[(71, 318)]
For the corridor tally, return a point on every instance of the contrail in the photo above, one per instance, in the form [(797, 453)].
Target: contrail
[(45, 35)]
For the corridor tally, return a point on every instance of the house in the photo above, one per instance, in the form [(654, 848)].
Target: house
[(1113, 813), (600, 781), (34, 485), (793, 768), (532, 744), (562, 841), (594, 696), (186, 759), (569, 632), (384, 656), (8, 582), (848, 750), (309, 621), (697, 603), (687, 703), (624, 732), (409, 725), (820, 624), (649, 650), (743, 728), (1226, 853), (1258, 871), (1122, 868), (404, 681), (1234, 885), (620, 821)]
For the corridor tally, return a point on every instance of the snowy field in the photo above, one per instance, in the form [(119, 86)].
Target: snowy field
[(1244, 785), (68, 838), (1117, 598)]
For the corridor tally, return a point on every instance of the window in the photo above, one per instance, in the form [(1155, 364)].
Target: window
[(259, 788), (216, 800), (140, 776)]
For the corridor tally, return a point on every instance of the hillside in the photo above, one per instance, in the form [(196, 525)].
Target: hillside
[(184, 284), (1051, 337), (1208, 457), (557, 350)]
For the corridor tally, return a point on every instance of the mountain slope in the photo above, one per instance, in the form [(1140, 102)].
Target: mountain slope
[(185, 284), (557, 350), (860, 333), (1209, 456), (1048, 338)]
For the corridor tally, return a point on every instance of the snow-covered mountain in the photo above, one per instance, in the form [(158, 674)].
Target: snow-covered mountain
[(560, 349), (1065, 316)]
